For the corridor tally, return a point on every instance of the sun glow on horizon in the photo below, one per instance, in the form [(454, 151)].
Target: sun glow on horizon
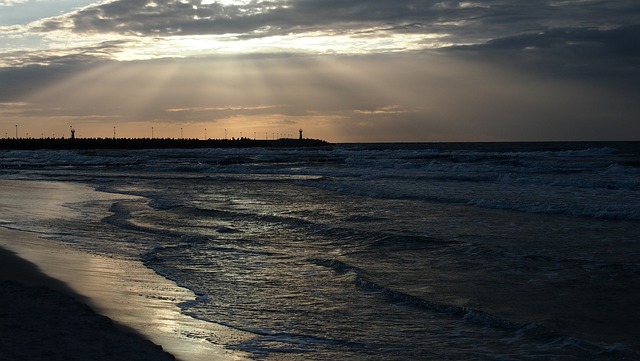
[(345, 71), (262, 97)]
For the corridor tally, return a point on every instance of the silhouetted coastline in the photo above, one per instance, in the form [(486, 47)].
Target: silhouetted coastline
[(156, 143)]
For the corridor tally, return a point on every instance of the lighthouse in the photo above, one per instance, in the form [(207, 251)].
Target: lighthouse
[(300, 134)]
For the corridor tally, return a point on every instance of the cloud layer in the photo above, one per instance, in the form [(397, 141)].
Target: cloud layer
[(337, 26), (473, 21), (406, 69)]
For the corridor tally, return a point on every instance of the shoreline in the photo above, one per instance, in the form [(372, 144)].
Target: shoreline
[(44, 319), (125, 292), (120, 288)]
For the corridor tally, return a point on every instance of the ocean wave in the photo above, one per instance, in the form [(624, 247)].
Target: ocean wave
[(470, 315), (515, 332), (610, 212)]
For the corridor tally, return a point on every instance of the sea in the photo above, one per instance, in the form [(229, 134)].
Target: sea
[(407, 251)]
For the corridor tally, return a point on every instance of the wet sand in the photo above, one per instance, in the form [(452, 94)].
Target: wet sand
[(43, 319), (121, 290)]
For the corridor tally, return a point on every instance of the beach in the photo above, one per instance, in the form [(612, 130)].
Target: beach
[(43, 319), (64, 303)]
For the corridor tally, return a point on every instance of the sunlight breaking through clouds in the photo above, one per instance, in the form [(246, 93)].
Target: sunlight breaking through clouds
[(404, 69), (182, 28), (311, 43)]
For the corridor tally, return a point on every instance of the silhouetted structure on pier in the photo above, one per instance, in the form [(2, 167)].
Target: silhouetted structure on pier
[(155, 143)]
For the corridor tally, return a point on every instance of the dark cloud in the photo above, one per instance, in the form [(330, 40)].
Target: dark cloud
[(611, 55), (590, 38), (70, 56), (621, 41), (473, 21), (17, 83)]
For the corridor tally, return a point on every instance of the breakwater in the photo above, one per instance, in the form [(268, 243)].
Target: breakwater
[(156, 143)]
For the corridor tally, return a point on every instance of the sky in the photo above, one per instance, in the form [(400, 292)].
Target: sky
[(341, 70)]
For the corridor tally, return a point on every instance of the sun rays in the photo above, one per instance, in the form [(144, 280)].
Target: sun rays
[(256, 96), (338, 98)]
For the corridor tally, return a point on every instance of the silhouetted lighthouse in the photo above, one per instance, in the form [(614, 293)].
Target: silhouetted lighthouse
[(300, 134)]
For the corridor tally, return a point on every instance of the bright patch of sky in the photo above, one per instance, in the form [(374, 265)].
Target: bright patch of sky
[(316, 43), (23, 23), (22, 12)]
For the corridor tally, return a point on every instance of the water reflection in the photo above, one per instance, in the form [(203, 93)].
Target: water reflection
[(122, 289)]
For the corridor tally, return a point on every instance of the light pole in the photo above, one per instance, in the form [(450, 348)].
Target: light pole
[(16, 131), (151, 132), (205, 133), (114, 132)]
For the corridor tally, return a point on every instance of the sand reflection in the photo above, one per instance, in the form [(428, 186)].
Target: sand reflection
[(123, 290)]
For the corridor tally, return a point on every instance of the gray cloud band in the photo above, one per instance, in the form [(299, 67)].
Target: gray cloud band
[(470, 20)]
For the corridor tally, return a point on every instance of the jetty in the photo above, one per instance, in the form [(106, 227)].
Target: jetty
[(152, 143)]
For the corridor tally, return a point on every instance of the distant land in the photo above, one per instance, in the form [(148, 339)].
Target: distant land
[(155, 143)]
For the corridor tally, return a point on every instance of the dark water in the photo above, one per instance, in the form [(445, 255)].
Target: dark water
[(380, 251)]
